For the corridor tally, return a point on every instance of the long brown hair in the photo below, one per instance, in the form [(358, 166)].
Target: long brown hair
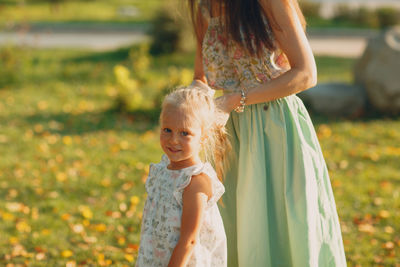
[(245, 21)]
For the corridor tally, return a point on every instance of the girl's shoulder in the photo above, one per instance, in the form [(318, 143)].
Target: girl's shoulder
[(205, 176)]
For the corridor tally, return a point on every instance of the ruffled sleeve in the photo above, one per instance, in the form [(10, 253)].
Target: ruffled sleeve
[(154, 172), (184, 180)]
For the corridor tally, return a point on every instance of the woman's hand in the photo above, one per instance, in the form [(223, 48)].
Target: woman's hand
[(228, 102)]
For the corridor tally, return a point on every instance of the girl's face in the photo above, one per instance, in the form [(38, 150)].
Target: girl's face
[(180, 138)]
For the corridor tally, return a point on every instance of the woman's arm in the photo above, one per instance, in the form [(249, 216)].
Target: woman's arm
[(195, 198), (292, 40), (201, 29)]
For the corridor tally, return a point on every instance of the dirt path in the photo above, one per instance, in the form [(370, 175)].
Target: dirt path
[(331, 44)]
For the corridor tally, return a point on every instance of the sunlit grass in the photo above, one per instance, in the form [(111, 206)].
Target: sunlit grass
[(72, 170), (76, 11)]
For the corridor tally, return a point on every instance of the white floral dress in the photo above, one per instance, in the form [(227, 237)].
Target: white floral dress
[(162, 213)]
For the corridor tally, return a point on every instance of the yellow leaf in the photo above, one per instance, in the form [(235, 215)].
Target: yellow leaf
[(129, 257), (78, 228), (86, 212), (106, 182), (7, 216), (101, 227), (366, 228), (46, 232), (65, 216), (378, 201), (40, 256), (67, 140), (61, 177), (13, 240), (14, 206), (388, 245), (393, 151), (23, 227), (90, 239), (384, 214), (121, 240), (66, 253), (100, 257), (42, 105), (114, 149), (38, 128), (324, 131), (135, 200), (116, 215), (124, 145), (71, 264), (123, 207), (386, 185), (389, 230)]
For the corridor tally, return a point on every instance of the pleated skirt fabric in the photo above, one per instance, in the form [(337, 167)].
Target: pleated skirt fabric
[(278, 207)]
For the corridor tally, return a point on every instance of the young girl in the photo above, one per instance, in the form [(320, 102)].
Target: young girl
[(181, 223)]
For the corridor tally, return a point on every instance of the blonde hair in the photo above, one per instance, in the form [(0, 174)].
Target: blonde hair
[(199, 104)]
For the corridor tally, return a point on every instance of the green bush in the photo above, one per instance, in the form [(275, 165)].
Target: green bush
[(388, 16), (171, 31), (344, 13), (12, 64), (176, 77), (129, 96), (128, 82), (310, 9), (140, 60), (380, 17), (165, 33), (366, 17)]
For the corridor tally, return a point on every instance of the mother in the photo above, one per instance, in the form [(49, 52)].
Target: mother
[(278, 207)]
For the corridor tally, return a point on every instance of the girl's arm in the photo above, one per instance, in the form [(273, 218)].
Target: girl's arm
[(293, 42), (195, 198)]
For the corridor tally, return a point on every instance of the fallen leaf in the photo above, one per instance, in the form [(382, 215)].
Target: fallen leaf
[(66, 253)]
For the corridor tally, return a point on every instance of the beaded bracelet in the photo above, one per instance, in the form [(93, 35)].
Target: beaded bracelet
[(243, 97)]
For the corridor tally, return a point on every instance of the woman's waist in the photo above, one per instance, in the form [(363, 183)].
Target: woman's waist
[(286, 100)]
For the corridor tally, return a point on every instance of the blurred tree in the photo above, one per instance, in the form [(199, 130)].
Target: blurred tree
[(366, 17), (388, 16), (310, 9), (344, 13), (171, 31)]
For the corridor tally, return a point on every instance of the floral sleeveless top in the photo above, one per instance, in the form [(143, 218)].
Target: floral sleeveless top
[(162, 213), (228, 66)]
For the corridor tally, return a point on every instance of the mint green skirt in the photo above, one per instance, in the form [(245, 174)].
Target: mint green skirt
[(278, 207)]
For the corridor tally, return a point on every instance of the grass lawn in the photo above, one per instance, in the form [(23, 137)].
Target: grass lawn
[(76, 11), (72, 170), (82, 12)]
